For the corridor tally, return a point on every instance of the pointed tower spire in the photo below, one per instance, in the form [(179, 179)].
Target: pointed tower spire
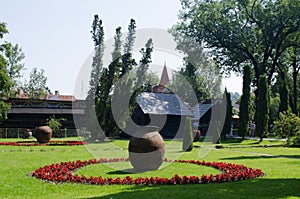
[(164, 80)]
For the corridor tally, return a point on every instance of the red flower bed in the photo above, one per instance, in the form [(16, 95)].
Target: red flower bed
[(51, 143), (63, 173)]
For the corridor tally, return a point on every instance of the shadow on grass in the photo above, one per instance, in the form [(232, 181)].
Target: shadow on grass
[(123, 172), (256, 188), (232, 141), (261, 156)]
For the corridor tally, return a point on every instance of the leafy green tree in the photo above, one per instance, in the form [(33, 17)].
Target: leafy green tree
[(288, 126), (238, 33), (283, 81), (244, 117), (294, 53), (274, 107), (36, 87), (262, 116), (199, 70), (5, 80), (187, 143), (289, 67), (14, 56), (197, 82)]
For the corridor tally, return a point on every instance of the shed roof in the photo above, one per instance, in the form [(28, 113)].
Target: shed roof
[(45, 111), (162, 104), (200, 109)]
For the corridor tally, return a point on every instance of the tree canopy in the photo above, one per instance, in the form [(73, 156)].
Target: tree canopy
[(244, 32), (36, 87)]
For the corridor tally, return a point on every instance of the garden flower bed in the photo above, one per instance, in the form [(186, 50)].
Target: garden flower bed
[(51, 143), (62, 172)]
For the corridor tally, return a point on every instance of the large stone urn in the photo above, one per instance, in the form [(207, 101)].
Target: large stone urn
[(43, 134), (146, 149)]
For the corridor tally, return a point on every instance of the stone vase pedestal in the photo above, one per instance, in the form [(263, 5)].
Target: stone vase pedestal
[(146, 149)]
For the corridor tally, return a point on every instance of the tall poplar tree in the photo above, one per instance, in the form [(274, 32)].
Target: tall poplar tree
[(98, 39), (109, 77), (262, 115), (92, 98), (228, 116), (244, 118), (127, 61), (144, 62)]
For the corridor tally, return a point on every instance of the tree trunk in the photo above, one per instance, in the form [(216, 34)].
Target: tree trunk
[(295, 93)]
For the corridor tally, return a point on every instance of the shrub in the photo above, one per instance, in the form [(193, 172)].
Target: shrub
[(187, 144), (295, 140), (288, 126), (55, 123)]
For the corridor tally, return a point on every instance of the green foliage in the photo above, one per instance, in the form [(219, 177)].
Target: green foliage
[(127, 61), (244, 115), (98, 38), (108, 78), (5, 80), (113, 81), (3, 29), (14, 56), (187, 143), (294, 58), (262, 108), (4, 107), (295, 140), (199, 70), (120, 65), (197, 82), (36, 87), (288, 126), (228, 117), (91, 100), (55, 123), (274, 107), (240, 33), (283, 96), (144, 63)]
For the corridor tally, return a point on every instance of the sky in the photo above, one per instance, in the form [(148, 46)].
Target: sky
[(55, 35)]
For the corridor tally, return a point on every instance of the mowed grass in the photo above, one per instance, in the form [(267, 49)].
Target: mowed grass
[(280, 164)]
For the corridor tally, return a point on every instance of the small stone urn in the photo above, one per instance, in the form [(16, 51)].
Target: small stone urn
[(146, 149), (43, 134)]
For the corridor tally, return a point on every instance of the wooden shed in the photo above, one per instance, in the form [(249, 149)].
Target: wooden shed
[(166, 111)]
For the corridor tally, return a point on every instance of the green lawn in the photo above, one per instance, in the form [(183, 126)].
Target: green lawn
[(281, 166)]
